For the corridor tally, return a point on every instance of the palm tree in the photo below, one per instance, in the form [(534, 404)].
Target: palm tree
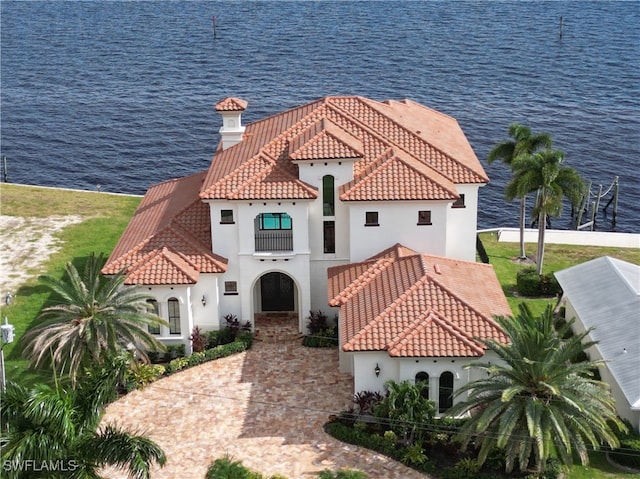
[(536, 403), (543, 172), (524, 143), (58, 431), (96, 316)]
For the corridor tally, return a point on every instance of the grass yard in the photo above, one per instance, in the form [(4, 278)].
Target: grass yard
[(104, 217), (556, 258)]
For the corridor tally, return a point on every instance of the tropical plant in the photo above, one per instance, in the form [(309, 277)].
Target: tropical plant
[(523, 143), (59, 431), (198, 340), (535, 403), (96, 316), (543, 172), (406, 409)]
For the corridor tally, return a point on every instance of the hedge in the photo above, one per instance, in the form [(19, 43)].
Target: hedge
[(532, 284)]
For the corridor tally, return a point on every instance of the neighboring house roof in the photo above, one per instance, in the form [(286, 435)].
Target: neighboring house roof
[(402, 151), (168, 240), (605, 293), (417, 305)]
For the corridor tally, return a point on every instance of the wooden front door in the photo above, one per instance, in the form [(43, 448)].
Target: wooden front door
[(277, 292)]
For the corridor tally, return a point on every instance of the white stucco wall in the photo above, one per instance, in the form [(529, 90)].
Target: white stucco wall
[(461, 225), (363, 366), (397, 224), (192, 311)]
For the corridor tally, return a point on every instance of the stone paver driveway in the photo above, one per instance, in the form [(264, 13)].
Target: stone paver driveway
[(265, 407)]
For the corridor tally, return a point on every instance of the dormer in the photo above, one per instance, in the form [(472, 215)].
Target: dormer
[(325, 148), (231, 111)]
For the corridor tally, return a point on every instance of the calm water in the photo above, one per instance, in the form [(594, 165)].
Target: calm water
[(121, 94)]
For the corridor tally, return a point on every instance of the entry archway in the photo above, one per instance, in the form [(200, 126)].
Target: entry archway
[(277, 293)]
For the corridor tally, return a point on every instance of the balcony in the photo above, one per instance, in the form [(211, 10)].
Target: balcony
[(274, 240)]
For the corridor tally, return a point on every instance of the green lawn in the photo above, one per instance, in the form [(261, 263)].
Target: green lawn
[(556, 258), (104, 218)]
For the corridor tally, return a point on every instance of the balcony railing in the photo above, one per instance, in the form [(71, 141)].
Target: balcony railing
[(274, 241)]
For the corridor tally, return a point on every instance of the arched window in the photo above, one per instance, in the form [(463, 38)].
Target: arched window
[(155, 309), (174, 316), (445, 395), (328, 196), (422, 378)]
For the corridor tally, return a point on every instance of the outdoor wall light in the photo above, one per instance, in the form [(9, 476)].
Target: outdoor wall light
[(204, 300), (377, 370)]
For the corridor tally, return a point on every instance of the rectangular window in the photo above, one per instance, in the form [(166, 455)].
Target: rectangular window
[(371, 218), (328, 196), (329, 236), (230, 287), (275, 221), (226, 216), (424, 217), (154, 309), (459, 203), (174, 316)]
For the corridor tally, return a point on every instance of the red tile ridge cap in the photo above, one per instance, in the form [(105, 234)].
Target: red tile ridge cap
[(349, 345), (371, 273), (409, 161), (433, 278)]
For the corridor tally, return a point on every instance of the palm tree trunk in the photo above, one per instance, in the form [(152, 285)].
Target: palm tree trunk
[(542, 227), (523, 201)]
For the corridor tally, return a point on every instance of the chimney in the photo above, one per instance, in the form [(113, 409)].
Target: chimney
[(231, 110)]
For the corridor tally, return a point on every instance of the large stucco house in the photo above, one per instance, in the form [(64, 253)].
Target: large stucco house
[(603, 296), (296, 207)]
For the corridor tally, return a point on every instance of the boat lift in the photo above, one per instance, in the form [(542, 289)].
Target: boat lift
[(591, 201)]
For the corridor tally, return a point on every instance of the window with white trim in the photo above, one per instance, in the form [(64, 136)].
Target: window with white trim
[(174, 315)]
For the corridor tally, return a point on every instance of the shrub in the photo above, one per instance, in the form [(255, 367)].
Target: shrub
[(198, 340), (325, 338), (317, 322), (234, 325), (342, 474), (177, 364), (531, 284), (629, 452), (367, 401), (196, 358), (228, 468), (175, 350), (138, 375), (414, 455)]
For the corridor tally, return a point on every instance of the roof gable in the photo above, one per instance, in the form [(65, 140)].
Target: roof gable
[(398, 302), (324, 141), (168, 240)]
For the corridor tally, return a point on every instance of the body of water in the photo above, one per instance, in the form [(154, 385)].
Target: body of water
[(122, 94)]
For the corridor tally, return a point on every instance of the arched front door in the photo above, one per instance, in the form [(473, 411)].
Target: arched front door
[(277, 292)]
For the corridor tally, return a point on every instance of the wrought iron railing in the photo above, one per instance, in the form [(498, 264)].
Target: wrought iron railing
[(274, 241)]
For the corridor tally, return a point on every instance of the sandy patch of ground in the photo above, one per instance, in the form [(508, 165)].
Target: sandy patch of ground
[(25, 244)]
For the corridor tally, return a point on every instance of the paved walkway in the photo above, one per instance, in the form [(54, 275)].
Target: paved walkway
[(265, 407)]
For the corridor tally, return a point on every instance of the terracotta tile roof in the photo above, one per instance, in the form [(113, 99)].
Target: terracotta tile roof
[(325, 140), (424, 151), (232, 104), (417, 305), (168, 240)]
